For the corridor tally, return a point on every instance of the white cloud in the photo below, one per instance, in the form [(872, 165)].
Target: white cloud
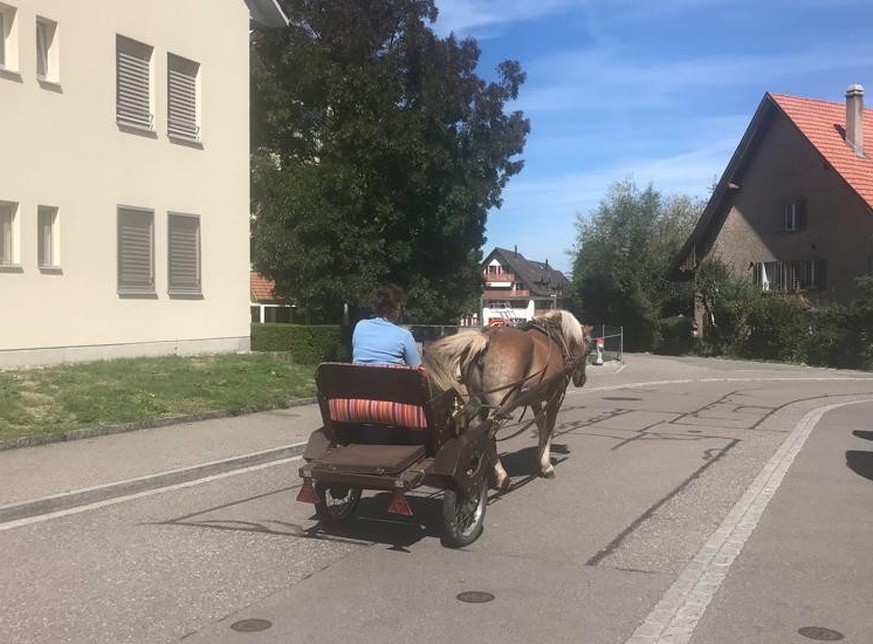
[(463, 17)]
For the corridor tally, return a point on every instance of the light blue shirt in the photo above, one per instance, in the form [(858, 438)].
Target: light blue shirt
[(378, 341)]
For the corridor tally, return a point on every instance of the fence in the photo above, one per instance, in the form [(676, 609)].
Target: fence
[(613, 340)]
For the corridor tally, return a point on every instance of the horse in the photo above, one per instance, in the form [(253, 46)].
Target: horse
[(506, 367)]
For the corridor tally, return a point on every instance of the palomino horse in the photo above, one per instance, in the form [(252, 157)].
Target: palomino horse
[(505, 367)]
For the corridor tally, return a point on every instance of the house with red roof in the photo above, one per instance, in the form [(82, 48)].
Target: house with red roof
[(265, 306), (793, 210), (517, 289)]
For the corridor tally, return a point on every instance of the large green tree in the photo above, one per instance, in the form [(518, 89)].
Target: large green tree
[(621, 259), (377, 153)]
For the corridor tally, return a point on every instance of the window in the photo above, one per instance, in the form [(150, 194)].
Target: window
[(791, 275), (182, 107), (133, 74), (8, 233), (767, 276), (47, 237), (136, 251), (46, 50), (8, 38), (183, 254), (810, 274), (795, 216)]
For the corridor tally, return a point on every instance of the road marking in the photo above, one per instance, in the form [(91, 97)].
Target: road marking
[(675, 617), (138, 495), (653, 383)]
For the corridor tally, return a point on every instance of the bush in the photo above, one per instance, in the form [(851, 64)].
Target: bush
[(778, 329), (833, 341), (673, 336), (307, 344)]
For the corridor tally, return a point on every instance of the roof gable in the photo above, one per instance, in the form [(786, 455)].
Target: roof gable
[(823, 124), (537, 277)]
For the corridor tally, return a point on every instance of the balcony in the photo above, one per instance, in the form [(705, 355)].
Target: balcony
[(498, 277), (504, 293)]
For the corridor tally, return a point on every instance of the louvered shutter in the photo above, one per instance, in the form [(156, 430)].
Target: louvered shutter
[(136, 273), (2, 39), (182, 98), (183, 246), (133, 78), (6, 246)]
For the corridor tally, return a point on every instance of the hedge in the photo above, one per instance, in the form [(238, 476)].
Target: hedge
[(307, 344)]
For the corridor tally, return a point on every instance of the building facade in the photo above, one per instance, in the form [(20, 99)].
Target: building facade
[(793, 211), (518, 289), (124, 183)]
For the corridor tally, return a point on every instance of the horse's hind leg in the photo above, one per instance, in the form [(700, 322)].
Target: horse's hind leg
[(545, 426), (502, 479)]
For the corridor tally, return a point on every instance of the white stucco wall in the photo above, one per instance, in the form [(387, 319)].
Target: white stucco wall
[(62, 148)]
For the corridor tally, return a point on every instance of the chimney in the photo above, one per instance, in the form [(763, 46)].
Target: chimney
[(855, 119)]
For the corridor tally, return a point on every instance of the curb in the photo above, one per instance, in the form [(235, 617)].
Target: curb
[(76, 498), (105, 430)]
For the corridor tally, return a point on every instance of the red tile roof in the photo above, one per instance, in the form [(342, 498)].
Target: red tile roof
[(261, 288), (823, 123)]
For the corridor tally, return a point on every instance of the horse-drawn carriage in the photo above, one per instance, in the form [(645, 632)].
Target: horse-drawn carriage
[(395, 428)]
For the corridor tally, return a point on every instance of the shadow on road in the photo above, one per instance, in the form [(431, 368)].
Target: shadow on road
[(860, 433), (861, 463)]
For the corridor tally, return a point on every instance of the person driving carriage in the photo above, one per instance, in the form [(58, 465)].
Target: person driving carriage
[(379, 340)]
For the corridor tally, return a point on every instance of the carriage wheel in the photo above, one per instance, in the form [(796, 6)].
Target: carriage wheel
[(336, 502), (463, 516)]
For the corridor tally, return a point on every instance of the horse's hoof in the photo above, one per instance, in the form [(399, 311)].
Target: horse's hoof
[(505, 484), (549, 473)]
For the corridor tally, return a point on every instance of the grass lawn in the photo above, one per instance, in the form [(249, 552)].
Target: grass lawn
[(57, 399)]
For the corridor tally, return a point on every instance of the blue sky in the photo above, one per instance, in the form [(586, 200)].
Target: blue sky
[(660, 91)]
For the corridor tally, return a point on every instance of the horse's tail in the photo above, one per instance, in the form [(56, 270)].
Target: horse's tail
[(449, 358)]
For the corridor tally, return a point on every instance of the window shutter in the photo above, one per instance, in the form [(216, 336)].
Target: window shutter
[(821, 273), (133, 94), (41, 49), (801, 214), (183, 254), (5, 235), (182, 98), (135, 252), (2, 39)]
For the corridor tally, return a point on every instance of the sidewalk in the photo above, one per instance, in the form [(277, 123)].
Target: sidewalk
[(57, 476)]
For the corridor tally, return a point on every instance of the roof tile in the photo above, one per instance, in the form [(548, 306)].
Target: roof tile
[(261, 288), (823, 123)]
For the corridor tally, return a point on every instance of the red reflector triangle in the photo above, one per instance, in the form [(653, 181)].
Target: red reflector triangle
[(399, 505), (307, 494)]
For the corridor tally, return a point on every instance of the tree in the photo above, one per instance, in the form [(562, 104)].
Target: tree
[(622, 255), (378, 152)]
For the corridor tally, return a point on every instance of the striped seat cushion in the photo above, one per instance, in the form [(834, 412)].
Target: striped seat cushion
[(382, 412)]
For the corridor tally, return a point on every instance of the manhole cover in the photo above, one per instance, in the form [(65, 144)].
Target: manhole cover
[(475, 597), (251, 625), (820, 633), (620, 398)]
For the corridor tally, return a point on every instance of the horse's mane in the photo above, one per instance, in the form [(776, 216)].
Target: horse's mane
[(443, 359), (571, 328)]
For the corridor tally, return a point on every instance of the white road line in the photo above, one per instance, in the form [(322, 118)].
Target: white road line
[(138, 495), (654, 383), (675, 617)]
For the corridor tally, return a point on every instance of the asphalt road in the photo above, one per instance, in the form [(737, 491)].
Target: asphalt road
[(700, 501)]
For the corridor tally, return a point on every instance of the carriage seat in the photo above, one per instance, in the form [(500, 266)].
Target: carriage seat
[(382, 404)]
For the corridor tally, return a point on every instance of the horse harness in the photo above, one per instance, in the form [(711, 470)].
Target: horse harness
[(557, 337)]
